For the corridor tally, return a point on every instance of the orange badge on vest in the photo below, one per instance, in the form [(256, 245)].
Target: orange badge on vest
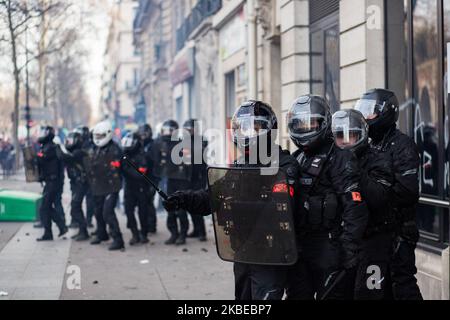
[(356, 196)]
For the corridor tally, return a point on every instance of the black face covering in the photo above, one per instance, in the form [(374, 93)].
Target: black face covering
[(378, 130)]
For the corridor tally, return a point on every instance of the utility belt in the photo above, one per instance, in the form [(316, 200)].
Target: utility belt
[(321, 212)]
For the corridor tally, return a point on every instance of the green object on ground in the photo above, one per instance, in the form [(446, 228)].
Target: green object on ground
[(19, 205)]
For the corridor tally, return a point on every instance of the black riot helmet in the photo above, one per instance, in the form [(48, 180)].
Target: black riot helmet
[(252, 121), (74, 140), (84, 131), (46, 134), (130, 143), (168, 128), (350, 131), (191, 126), (380, 108), (145, 133), (309, 122)]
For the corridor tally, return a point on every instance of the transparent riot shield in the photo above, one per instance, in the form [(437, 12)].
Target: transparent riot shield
[(30, 164), (253, 216), (102, 176)]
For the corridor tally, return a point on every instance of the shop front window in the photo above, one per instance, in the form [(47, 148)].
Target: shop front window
[(416, 74), (325, 61), (426, 67)]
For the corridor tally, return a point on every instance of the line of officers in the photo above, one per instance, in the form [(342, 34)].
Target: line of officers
[(356, 185), (97, 172)]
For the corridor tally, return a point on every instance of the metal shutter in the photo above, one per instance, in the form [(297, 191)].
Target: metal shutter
[(319, 9)]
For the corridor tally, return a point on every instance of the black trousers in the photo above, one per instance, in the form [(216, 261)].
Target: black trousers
[(137, 198), (58, 201), (90, 205), (152, 219), (47, 211), (319, 258), (175, 217), (76, 205), (199, 225), (373, 278), (256, 282), (403, 271), (106, 215)]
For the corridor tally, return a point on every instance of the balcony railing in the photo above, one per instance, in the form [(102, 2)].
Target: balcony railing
[(203, 10)]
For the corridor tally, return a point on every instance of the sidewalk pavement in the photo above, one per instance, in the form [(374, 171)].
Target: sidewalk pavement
[(32, 270)]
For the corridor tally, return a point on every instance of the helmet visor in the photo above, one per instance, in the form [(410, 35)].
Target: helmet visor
[(127, 142), (348, 129), (305, 124), (370, 109), (248, 126)]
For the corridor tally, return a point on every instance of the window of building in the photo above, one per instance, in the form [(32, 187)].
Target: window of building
[(416, 32), (325, 59)]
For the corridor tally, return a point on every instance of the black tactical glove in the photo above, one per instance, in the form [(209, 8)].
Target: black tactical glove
[(350, 259), (380, 166), (409, 232), (175, 202)]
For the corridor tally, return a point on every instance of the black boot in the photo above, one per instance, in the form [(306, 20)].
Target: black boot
[(98, 240), (171, 240), (62, 231), (143, 238), (193, 234), (45, 237), (135, 239), (83, 235), (117, 245), (181, 240), (73, 225)]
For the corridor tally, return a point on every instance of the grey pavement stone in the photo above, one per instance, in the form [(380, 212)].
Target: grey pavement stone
[(169, 274), (31, 270)]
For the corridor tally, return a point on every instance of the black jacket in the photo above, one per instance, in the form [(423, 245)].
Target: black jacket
[(74, 165), (330, 196), (51, 168), (134, 180), (391, 180)]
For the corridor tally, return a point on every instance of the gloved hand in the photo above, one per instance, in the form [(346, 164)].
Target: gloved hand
[(410, 232), (175, 201), (350, 260), (380, 166)]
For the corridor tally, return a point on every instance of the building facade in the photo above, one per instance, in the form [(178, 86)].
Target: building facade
[(121, 75), (224, 52)]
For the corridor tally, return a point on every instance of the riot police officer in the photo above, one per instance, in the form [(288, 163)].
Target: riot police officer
[(332, 214), (396, 156), (197, 172), (73, 156), (137, 190), (145, 134), (178, 233), (87, 146), (254, 124), (351, 132), (51, 170), (104, 172)]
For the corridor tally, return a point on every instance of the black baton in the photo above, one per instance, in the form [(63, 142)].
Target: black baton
[(340, 276), (160, 192)]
